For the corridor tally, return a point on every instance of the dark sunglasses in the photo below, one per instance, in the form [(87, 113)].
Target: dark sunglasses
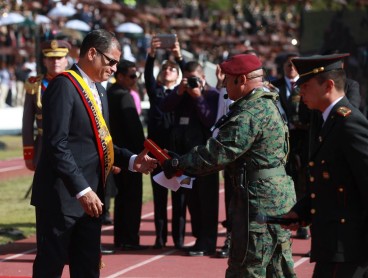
[(133, 76), (112, 62)]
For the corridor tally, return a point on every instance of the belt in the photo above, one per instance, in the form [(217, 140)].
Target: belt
[(253, 175)]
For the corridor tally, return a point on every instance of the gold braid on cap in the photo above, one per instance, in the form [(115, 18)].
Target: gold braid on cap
[(314, 71)]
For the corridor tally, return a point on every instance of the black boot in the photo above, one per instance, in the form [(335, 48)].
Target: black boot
[(224, 251)]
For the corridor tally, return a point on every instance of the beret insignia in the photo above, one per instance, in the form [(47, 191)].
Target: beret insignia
[(343, 111)]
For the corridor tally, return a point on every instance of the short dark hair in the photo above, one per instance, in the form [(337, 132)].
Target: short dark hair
[(338, 76), (100, 39), (124, 66), (192, 66)]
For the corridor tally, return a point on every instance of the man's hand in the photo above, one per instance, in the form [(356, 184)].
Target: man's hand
[(176, 50), (29, 164), (91, 204), (115, 170), (155, 43), (220, 77), (293, 215), (143, 163)]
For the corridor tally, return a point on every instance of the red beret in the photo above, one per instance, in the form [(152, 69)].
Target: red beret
[(241, 64)]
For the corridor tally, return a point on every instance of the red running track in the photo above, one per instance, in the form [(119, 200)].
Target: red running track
[(16, 259)]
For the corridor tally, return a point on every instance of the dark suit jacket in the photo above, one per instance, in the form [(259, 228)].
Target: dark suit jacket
[(125, 125), (337, 202), (69, 160), (282, 86), (304, 112), (352, 92)]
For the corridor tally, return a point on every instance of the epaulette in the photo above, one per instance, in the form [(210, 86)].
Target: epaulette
[(32, 84), (343, 111)]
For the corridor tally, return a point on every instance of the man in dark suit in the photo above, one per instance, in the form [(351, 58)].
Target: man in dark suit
[(336, 204), (124, 117), (298, 118), (76, 158), (195, 106)]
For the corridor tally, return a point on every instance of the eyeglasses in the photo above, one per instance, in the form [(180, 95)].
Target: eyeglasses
[(112, 62), (133, 76)]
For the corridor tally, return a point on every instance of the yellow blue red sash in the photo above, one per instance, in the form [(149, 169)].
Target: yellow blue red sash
[(103, 138)]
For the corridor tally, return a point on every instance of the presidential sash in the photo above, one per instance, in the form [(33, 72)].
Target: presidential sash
[(103, 138)]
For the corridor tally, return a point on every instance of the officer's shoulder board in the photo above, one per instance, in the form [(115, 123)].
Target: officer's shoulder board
[(32, 84), (343, 111)]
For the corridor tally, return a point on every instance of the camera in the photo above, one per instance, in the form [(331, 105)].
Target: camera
[(193, 82)]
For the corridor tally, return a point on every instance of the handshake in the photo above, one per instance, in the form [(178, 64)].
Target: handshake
[(169, 165)]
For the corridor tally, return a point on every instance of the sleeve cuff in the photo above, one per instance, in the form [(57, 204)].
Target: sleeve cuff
[(131, 163), (83, 192)]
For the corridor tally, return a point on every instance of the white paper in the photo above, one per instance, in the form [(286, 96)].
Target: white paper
[(175, 182)]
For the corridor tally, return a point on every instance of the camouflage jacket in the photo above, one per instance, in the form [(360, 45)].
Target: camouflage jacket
[(254, 133)]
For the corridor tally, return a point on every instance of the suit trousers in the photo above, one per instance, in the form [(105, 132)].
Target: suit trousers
[(69, 240), (203, 205), (160, 198), (128, 207)]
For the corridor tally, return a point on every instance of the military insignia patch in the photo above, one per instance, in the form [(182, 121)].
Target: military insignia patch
[(344, 111), (54, 44)]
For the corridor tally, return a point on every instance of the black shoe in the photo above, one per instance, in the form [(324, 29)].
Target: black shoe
[(223, 252), (133, 247), (105, 251), (159, 245)]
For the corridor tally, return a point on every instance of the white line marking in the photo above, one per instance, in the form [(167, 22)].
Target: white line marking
[(17, 255), (155, 258), (13, 168), (300, 262)]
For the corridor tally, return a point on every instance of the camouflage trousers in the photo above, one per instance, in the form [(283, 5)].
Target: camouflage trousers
[(269, 255)]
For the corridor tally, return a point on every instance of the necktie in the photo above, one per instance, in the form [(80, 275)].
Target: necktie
[(292, 85)]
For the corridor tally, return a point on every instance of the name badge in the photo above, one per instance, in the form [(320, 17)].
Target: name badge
[(184, 121)]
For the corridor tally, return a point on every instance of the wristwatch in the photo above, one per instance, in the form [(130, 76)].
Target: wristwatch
[(175, 163)]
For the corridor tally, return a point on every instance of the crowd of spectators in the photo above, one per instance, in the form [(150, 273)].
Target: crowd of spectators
[(268, 27)]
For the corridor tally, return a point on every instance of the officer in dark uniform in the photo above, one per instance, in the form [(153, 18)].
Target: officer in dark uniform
[(336, 204), (55, 60)]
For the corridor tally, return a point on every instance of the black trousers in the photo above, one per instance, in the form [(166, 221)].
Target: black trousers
[(160, 198), (203, 205), (128, 207), (229, 191), (63, 239), (341, 270)]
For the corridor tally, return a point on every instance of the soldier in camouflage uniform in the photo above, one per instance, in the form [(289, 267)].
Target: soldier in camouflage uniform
[(55, 61), (252, 145)]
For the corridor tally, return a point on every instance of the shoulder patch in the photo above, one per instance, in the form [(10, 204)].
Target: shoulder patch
[(343, 111)]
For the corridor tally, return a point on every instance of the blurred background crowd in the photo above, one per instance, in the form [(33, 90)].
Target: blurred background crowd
[(208, 31)]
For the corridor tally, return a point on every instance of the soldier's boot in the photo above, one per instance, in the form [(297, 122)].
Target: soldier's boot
[(224, 251)]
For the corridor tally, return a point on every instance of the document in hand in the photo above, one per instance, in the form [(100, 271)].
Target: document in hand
[(175, 182)]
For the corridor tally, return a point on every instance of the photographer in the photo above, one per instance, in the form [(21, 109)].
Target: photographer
[(195, 108)]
